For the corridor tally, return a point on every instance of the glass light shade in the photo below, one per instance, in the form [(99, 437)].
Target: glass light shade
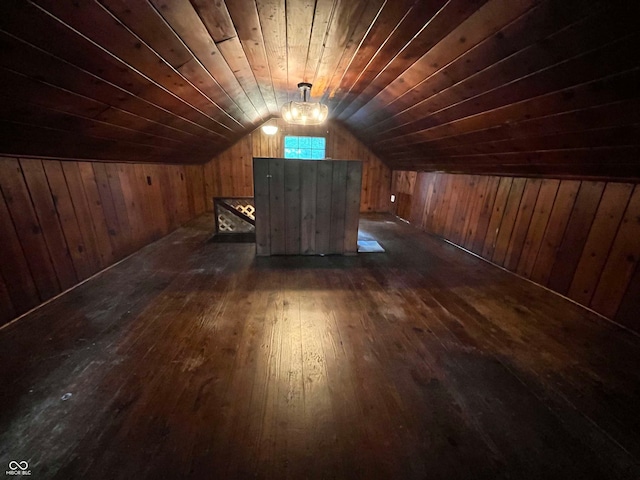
[(305, 113), (269, 129)]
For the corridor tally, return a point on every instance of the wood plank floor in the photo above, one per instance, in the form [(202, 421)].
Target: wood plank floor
[(195, 359)]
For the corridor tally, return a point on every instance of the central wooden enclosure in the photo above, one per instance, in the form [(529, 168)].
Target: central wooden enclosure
[(306, 207)]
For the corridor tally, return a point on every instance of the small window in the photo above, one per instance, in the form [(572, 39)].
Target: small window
[(305, 148)]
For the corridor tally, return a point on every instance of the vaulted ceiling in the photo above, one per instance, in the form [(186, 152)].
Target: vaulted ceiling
[(487, 86)]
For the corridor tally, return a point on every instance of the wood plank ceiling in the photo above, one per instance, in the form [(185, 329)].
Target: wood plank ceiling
[(477, 86)]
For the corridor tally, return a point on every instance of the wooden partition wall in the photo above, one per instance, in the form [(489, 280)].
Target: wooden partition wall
[(306, 207), (578, 238), (61, 222), (230, 174)]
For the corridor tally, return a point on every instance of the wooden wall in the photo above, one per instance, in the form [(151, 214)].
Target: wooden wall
[(578, 238), (61, 222), (230, 174), (307, 208)]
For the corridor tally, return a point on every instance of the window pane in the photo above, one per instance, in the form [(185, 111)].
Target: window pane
[(309, 148), (318, 143), (305, 142), (290, 142), (305, 153)]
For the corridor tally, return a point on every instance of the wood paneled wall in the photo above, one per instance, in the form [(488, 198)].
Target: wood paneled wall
[(230, 174), (61, 222), (306, 208), (578, 238)]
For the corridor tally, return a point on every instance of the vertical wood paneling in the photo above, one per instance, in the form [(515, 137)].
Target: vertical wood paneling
[(603, 230), (13, 265), (621, 261), (338, 202), (452, 205), (308, 184), (156, 198), (230, 173), (277, 207), (505, 229), (352, 207), (130, 199), (475, 210), (43, 203), (120, 208), (312, 207), (292, 207), (263, 209), (574, 236), (108, 207), (521, 225), (537, 226), (482, 227), (59, 223), (323, 206), (562, 207), (28, 228), (84, 264), (150, 188), (418, 201), (104, 234), (499, 205)]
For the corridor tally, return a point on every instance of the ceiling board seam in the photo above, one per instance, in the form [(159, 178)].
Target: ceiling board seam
[(443, 68), (406, 45), (106, 106), (146, 77), (498, 62), (373, 56), (324, 42), (111, 84), (86, 135), (519, 123), (264, 50), (511, 82), (194, 57), (618, 74), (355, 52), (253, 75)]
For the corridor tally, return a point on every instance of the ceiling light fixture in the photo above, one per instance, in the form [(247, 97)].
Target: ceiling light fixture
[(305, 112), (270, 127)]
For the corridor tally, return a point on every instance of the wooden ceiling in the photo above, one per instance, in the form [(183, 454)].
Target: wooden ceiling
[(478, 86)]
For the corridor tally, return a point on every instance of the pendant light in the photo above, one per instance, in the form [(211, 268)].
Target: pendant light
[(305, 112)]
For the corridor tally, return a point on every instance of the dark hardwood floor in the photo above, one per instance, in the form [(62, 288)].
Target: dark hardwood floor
[(195, 359)]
